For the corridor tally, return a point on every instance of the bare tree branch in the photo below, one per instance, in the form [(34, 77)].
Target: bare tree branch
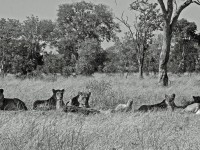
[(179, 10), (162, 5), (175, 4), (169, 9), (116, 2), (125, 22), (197, 2)]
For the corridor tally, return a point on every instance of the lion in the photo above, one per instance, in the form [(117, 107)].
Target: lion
[(196, 99), (81, 100), (193, 108), (11, 103), (124, 107), (167, 103), (55, 102)]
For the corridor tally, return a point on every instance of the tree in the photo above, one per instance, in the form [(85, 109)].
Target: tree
[(91, 57), (112, 60), (127, 54), (10, 31), (147, 21), (169, 23), (184, 54), (53, 63), (78, 22), (152, 56), (35, 36)]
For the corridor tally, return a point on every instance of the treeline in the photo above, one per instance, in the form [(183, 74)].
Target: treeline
[(184, 55), (77, 35)]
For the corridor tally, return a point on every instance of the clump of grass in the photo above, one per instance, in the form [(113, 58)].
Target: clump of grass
[(103, 95)]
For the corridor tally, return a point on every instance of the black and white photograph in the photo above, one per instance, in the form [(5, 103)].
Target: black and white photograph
[(99, 74)]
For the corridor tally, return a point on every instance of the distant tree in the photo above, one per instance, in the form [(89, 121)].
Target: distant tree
[(127, 54), (78, 22), (152, 55), (35, 36), (147, 21), (170, 21), (184, 55), (53, 63), (91, 57), (10, 31), (111, 65)]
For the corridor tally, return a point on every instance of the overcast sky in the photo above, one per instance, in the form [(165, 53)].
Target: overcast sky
[(47, 9)]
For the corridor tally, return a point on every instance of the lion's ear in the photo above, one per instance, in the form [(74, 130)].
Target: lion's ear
[(53, 90), (89, 93), (63, 90), (1, 91), (173, 95)]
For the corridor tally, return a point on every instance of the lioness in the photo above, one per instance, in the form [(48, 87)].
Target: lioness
[(168, 102), (55, 102), (81, 100), (196, 99), (193, 108), (11, 103), (124, 107)]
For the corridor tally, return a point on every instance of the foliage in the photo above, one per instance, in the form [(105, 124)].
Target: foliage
[(185, 54), (53, 63), (170, 18), (22, 43), (78, 22), (122, 56), (10, 31), (148, 19), (91, 57), (86, 20), (152, 55), (36, 34), (111, 65), (77, 36)]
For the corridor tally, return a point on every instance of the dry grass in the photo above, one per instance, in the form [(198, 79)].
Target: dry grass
[(51, 130)]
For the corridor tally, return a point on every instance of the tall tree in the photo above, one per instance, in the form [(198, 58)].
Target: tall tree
[(170, 21), (147, 21), (10, 30), (91, 57), (80, 21), (184, 54), (35, 36)]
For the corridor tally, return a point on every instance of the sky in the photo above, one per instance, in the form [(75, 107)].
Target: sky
[(47, 9)]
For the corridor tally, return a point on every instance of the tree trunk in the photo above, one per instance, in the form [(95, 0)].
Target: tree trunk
[(141, 71), (141, 63), (182, 64), (2, 66), (2, 70), (164, 55), (167, 29)]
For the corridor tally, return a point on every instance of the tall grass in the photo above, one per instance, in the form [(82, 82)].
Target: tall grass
[(55, 130)]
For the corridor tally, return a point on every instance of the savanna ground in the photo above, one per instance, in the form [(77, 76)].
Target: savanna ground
[(56, 130)]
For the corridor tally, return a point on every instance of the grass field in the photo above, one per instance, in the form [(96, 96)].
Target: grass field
[(56, 130)]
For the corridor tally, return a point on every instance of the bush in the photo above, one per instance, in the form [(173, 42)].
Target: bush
[(91, 56), (103, 96), (84, 68), (67, 71)]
